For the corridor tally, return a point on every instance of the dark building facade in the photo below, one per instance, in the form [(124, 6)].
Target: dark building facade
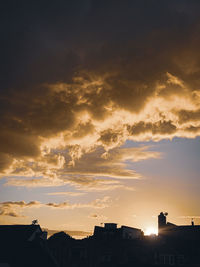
[(109, 246), (179, 245), (24, 246), (167, 229), (110, 230), (125, 246)]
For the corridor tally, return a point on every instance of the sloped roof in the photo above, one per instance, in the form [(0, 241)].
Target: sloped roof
[(17, 233), (15, 247)]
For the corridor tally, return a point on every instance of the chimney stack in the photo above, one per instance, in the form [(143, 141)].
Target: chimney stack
[(162, 221)]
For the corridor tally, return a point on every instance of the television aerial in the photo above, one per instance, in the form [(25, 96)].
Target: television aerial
[(34, 222)]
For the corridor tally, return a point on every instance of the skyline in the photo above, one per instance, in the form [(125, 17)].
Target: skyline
[(100, 113)]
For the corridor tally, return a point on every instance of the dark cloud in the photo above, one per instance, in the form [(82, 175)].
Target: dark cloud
[(5, 161), (48, 42), (76, 73), (111, 137), (83, 129), (186, 116), (160, 127)]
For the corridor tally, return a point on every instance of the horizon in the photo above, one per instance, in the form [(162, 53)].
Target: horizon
[(83, 234)]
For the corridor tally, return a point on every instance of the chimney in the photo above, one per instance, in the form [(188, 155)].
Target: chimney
[(162, 222)]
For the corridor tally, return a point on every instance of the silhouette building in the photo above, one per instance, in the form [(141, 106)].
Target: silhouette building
[(167, 229), (23, 246), (109, 246), (110, 230)]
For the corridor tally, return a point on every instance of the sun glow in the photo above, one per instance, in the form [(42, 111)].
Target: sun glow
[(151, 231)]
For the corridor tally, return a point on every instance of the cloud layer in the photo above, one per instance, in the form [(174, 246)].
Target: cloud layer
[(81, 79), (14, 208)]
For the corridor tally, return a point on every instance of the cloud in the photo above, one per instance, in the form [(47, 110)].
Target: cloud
[(186, 116), (157, 129), (97, 216), (14, 208), (11, 208), (9, 213), (34, 182), (110, 164), (110, 138), (71, 90), (97, 204), (96, 170), (97, 185), (71, 194)]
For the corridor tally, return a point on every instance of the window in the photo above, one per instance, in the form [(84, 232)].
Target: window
[(180, 259), (167, 259), (171, 260)]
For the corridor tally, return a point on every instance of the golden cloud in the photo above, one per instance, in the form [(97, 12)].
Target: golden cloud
[(62, 106), (10, 208), (86, 173), (71, 194), (14, 208)]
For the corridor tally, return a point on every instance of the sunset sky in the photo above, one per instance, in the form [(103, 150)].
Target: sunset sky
[(99, 112)]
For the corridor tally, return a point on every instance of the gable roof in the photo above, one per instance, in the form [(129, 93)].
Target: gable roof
[(17, 249), (17, 233)]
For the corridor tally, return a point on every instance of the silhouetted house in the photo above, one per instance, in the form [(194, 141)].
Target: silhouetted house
[(127, 232), (68, 251), (110, 231), (61, 246), (169, 254), (109, 246), (167, 229), (24, 245), (178, 245)]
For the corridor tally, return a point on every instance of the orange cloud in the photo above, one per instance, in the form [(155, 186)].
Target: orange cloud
[(14, 208), (86, 171), (99, 94)]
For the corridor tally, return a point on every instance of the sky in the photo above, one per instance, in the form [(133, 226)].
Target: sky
[(99, 113)]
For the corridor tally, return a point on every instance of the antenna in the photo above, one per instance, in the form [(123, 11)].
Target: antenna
[(34, 222)]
